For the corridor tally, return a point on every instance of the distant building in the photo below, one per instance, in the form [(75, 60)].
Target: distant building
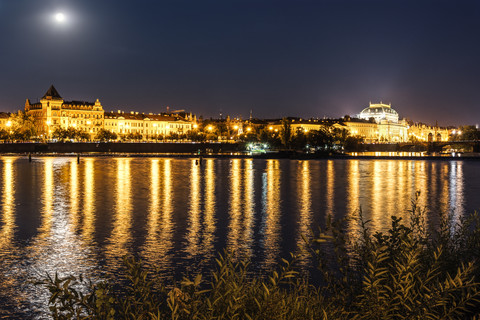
[(379, 112), (422, 132), (53, 112), (378, 122), (297, 125), (149, 126)]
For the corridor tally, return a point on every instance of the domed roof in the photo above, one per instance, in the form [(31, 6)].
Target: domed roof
[(379, 111)]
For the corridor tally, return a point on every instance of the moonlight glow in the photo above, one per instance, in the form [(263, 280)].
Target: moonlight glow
[(60, 17)]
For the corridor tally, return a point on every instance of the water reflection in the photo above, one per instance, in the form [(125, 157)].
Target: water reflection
[(235, 201), (56, 248), (193, 232), (121, 236), (305, 211), (47, 199), (8, 207), (89, 200), (456, 190), (210, 207), (157, 249), (353, 206), (270, 228), (57, 215), (8, 248), (74, 195), (249, 207), (330, 196)]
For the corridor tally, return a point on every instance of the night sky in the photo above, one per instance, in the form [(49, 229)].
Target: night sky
[(277, 58)]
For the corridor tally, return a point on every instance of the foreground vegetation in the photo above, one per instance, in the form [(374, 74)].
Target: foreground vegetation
[(405, 273)]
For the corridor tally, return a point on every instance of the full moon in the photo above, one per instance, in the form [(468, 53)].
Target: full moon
[(60, 17)]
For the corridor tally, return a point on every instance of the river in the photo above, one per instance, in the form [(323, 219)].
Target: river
[(57, 215)]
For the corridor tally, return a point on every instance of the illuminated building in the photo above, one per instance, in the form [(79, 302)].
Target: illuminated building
[(377, 123), (53, 112), (422, 132), (379, 112), (148, 125), (298, 125)]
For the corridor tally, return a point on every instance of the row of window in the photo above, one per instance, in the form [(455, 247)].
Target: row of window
[(141, 125)]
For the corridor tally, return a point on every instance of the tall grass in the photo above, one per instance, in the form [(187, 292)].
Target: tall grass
[(405, 273)]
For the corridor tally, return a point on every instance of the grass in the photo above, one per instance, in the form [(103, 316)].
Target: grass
[(405, 273)]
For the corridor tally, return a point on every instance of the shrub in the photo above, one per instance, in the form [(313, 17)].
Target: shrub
[(405, 273)]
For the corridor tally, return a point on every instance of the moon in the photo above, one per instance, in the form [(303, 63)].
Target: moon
[(60, 17)]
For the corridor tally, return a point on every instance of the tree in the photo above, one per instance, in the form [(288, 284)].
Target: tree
[(352, 143), (321, 139), (105, 135), (22, 126), (133, 136), (59, 134), (3, 134), (286, 133), (299, 140), (469, 133)]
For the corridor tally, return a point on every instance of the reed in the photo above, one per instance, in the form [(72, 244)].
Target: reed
[(405, 273)]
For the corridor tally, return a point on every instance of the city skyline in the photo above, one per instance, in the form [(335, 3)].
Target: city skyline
[(306, 59)]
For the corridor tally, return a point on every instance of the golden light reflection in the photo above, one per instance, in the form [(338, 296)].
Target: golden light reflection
[(88, 229), (209, 220), (271, 213), (421, 183), (377, 214), (389, 184), (401, 186), (444, 192), (330, 189), (121, 235), (353, 188), (47, 199), (249, 207), (305, 214), (193, 232), (74, 194), (233, 237), (456, 190), (158, 244), (8, 206)]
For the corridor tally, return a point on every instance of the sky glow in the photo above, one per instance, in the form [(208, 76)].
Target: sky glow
[(275, 57)]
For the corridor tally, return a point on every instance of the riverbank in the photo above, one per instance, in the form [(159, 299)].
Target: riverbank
[(236, 155), (204, 149)]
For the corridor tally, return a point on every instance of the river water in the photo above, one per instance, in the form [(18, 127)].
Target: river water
[(60, 216)]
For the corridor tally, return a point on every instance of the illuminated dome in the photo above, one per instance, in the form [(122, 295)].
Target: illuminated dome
[(379, 112)]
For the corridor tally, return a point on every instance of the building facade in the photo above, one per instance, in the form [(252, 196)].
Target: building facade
[(378, 122), (422, 132), (150, 126), (53, 112)]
